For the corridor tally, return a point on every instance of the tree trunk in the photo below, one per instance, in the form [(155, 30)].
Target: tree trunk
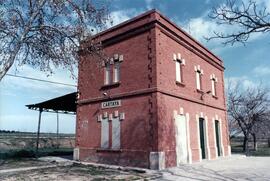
[(254, 142), (7, 65), (245, 144)]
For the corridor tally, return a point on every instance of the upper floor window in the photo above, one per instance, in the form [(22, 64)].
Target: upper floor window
[(116, 72), (112, 70), (199, 73), (107, 74), (213, 79), (179, 63)]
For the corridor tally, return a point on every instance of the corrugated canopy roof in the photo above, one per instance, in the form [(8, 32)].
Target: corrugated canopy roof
[(63, 104)]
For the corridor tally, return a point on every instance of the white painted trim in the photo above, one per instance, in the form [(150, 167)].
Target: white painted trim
[(188, 139), (104, 137), (76, 154), (201, 115), (116, 72), (221, 138), (198, 83), (198, 137), (178, 71), (181, 111), (229, 150), (207, 139), (174, 57)]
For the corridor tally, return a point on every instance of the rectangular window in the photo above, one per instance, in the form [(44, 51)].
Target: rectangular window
[(104, 133), (213, 87), (116, 137), (116, 72), (178, 71), (107, 75), (198, 80)]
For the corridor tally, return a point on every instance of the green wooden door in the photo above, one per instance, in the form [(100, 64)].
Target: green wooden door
[(201, 126), (217, 137)]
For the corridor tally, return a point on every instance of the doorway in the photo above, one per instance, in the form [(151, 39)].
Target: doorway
[(202, 137), (217, 134), (181, 139)]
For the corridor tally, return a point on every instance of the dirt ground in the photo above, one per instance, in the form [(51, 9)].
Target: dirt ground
[(234, 168), (46, 171)]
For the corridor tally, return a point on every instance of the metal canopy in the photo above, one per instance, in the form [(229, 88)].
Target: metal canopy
[(63, 104)]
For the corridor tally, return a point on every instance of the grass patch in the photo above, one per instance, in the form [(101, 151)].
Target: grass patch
[(261, 152)]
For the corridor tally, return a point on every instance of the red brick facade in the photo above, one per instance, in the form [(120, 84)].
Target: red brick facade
[(151, 101)]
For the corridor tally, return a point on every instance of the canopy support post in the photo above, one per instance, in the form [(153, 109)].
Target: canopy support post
[(38, 131), (57, 130)]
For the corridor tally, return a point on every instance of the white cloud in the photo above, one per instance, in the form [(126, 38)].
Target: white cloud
[(200, 28), (123, 15), (261, 70), (243, 81), (203, 26)]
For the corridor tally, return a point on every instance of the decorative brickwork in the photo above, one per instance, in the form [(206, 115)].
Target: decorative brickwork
[(146, 109)]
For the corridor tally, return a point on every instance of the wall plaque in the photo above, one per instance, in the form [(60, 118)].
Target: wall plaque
[(110, 104)]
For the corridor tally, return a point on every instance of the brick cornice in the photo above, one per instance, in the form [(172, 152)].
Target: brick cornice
[(189, 46), (147, 21)]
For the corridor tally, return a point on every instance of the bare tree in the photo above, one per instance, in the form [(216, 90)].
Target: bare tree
[(261, 130), (247, 17), (249, 108), (46, 33), (234, 129)]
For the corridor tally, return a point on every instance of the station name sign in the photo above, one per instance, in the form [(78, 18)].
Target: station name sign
[(110, 104)]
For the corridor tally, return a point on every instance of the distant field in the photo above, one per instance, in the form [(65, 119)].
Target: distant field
[(24, 144), (263, 148)]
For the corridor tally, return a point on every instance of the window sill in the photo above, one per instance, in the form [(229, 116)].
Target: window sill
[(216, 97), (112, 85), (180, 84), (109, 150)]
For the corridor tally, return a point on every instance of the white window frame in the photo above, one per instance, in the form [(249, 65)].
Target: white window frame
[(107, 74), (198, 77), (178, 71), (198, 80), (116, 72), (104, 142), (213, 84), (179, 62)]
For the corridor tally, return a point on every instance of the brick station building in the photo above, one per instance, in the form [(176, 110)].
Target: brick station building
[(157, 101)]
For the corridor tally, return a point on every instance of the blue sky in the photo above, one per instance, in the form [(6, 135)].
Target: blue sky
[(248, 64)]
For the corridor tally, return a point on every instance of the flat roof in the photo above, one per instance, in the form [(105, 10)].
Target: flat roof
[(63, 104)]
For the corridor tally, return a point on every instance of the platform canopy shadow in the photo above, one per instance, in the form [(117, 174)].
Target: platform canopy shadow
[(65, 104)]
